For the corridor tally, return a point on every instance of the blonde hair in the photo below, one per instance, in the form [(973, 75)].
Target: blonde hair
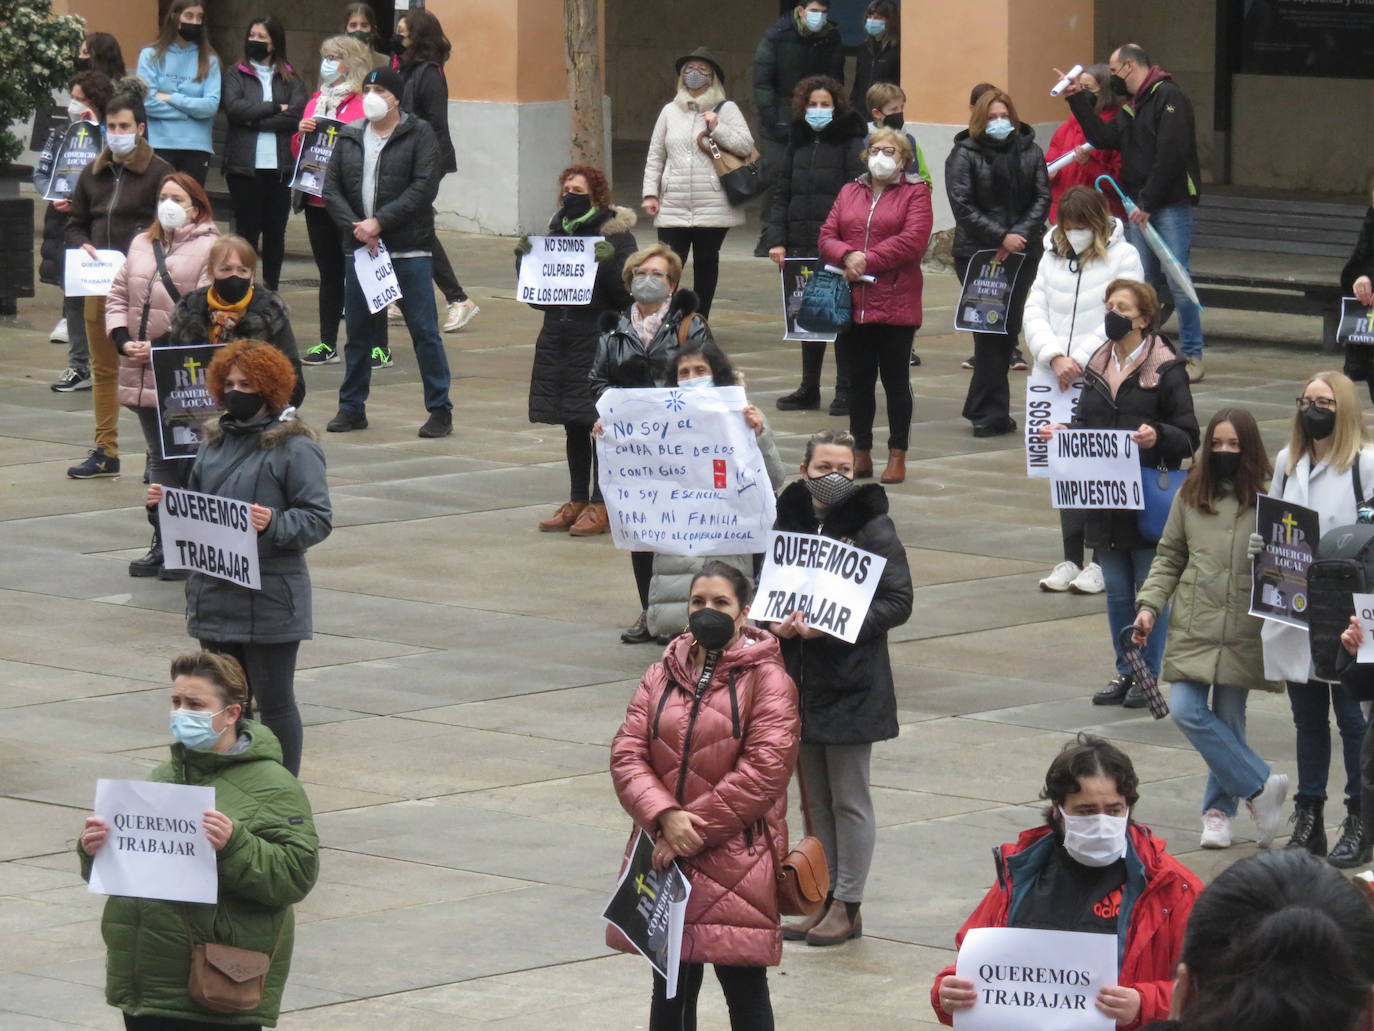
[(352, 55), (1087, 208), (228, 244), (880, 94), (892, 136), (1348, 437), (658, 250)]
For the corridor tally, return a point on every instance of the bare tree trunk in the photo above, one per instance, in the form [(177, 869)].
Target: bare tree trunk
[(588, 140)]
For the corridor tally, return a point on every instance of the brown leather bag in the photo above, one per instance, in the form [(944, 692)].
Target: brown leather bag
[(226, 979), (803, 879)]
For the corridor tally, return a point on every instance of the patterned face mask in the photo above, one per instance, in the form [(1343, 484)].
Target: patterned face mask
[(831, 489)]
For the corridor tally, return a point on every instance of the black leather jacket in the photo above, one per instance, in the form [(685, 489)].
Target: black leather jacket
[(623, 360), (985, 209)]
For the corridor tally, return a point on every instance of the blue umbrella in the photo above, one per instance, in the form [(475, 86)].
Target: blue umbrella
[(1173, 268)]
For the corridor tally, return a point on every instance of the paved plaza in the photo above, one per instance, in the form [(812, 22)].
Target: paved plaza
[(466, 678)]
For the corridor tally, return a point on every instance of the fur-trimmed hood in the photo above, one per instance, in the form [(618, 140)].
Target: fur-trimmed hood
[(685, 303), (275, 430), (606, 222), (797, 515)]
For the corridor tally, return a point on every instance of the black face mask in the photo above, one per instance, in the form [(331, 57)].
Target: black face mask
[(241, 405), (83, 64), (1118, 86), (1225, 464), (232, 289), (190, 33), (398, 42), (895, 120), (365, 38), (1319, 423), (575, 205), (1117, 325), (255, 50), (712, 628)]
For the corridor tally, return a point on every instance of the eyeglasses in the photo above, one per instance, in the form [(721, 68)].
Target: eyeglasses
[(889, 151), (653, 272), (1326, 404)]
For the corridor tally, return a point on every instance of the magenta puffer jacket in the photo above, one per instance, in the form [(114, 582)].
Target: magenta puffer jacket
[(739, 750), (138, 283), (892, 233)]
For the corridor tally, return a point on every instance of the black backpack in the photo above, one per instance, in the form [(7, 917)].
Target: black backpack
[(1343, 565)]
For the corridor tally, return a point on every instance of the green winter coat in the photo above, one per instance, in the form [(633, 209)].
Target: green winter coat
[(1203, 565), (269, 863)]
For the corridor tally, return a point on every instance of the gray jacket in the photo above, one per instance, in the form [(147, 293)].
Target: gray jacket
[(278, 465)]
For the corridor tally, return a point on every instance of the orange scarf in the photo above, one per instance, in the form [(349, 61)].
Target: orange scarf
[(224, 317)]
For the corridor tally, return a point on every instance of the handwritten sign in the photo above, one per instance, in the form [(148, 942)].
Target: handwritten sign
[(795, 272), (649, 907), (558, 270), (316, 149), (1045, 980), (1046, 403), (682, 473), (1357, 323), (91, 277), (377, 277), (157, 848), (80, 146), (986, 296), (831, 582), (1291, 533), (184, 404), (1095, 469), (209, 534)]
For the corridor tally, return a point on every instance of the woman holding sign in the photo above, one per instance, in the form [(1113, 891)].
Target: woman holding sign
[(1357, 280), (702, 763), (267, 861), (260, 452)]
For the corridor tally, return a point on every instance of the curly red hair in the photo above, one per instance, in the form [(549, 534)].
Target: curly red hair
[(596, 182), (271, 371)]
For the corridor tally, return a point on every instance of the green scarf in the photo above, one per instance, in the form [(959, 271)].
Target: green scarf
[(572, 226)]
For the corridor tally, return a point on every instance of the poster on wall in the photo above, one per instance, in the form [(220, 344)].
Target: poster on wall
[(1318, 38)]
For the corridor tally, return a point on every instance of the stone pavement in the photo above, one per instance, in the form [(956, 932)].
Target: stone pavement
[(466, 678)]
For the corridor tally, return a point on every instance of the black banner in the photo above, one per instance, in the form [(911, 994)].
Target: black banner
[(316, 149), (1291, 533), (184, 404), (648, 907), (80, 146), (987, 291)]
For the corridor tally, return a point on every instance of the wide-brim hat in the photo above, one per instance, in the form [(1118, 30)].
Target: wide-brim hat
[(701, 54)]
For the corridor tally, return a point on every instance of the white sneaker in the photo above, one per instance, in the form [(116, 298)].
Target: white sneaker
[(1267, 808), (459, 314), (59, 332), (1089, 581), (393, 313), (1060, 577), (1216, 829)]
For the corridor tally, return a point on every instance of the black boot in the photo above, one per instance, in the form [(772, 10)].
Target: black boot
[(151, 562), (1115, 693), (1351, 850), (1309, 831)]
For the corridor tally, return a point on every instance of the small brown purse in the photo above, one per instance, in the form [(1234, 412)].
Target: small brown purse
[(803, 879), (227, 979)]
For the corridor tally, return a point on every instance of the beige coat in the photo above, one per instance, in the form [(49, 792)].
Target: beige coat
[(680, 174)]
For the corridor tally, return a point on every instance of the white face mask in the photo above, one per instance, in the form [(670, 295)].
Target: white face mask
[(121, 143), (698, 381), (1079, 239), (1098, 840), (374, 107), (75, 109), (171, 215), (881, 167)]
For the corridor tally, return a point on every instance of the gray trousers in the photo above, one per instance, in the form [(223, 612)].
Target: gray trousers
[(78, 351), (169, 472), (839, 809)]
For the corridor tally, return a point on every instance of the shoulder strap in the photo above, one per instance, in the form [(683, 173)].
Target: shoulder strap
[(684, 329), (163, 274), (1355, 480)]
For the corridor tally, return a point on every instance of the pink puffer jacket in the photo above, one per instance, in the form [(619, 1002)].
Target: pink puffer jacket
[(892, 234), (740, 749), (138, 283)]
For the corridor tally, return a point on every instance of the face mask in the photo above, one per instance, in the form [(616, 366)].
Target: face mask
[(1119, 87), (1117, 325), (75, 109), (695, 78), (881, 167), (242, 405), (194, 729), (712, 628), (575, 205), (1225, 464), (896, 120), (121, 143), (649, 289), (1079, 239), (374, 107), (815, 20), (1319, 423), (83, 64), (697, 381), (363, 37), (232, 289), (819, 117), (830, 489), (171, 215), (190, 33), (329, 70), (875, 26), (999, 128), (1097, 840), (398, 42), (255, 50)]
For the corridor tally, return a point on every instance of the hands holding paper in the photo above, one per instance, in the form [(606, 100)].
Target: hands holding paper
[(795, 626), (217, 826), (1352, 636), (1120, 1003), (259, 517), (368, 232)]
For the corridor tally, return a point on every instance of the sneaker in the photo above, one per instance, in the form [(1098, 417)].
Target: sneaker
[(1089, 581), (967, 363), (1216, 829), (72, 379), (1194, 367), (321, 354), (1060, 577), (394, 314), (59, 333), (439, 423), (380, 358), (97, 464), (459, 314), (1266, 808), (1018, 360), (345, 420), (915, 358)]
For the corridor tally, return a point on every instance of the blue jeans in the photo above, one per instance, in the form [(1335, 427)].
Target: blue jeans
[(1218, 733), (1309, 703), (422, 320), (1175, 224), (1123, 573)]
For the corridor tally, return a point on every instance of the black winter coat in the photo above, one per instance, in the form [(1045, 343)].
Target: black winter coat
[(426, 97), (52, 253), (249, 114), (847, 692), (782, 59), (874, 63), (1359, 358), (265, 319), (1157, 393), (985, 209), (622, 359), (566, 347), (816, 166), (407, 183)]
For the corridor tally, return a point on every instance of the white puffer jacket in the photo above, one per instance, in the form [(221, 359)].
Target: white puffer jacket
[(680, 174), (1064, 309)]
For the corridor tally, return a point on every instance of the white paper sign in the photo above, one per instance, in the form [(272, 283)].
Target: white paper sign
[(682, 473), (1046, 403), (157, 848), (209, 534), (830, 581), (1031, 980), (1095, 469), (558, 270), (1364, 611), (377, 277), (91, 277)]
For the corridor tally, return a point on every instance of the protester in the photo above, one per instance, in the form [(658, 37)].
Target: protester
[(267, 861), (1085, 252), (183, 76), (1088, 162), (259, 451), (823, 153), (1135, 381), (877, 231), (360, 22), (1328, 466), (1356, 282), (1159, 170), (1356, 680), (343, 63), (100, 52), (264, 100), (997, 187), (166, 263), (567, 342), (848, 700), (702, 762), (115, 197), (886, 103), (880, 55), (380, 188), (1202, 564), (1090, 868)]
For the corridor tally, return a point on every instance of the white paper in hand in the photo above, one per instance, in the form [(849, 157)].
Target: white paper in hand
[(157, 848), (377, 277), (91, 277), (1041, 980), (1364, 611)]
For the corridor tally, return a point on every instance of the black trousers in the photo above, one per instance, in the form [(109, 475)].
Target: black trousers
[(877, 349), (813, 360), (1367, 782), (581, 453), (271, 671), (262, 205), (195, 163), (132, 1023), (444, 276), (1071, 521), (746, 995), (988, 402), (706, 265), (642, 562), (330, 259)]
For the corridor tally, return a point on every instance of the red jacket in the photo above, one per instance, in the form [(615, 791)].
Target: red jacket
[(1154, 939), (893, 234), (1100, 162), (739, 754)]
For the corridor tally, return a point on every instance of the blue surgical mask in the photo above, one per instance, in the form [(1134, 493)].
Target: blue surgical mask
[(819, 117), (875, 26), (194, 729), (999, 128), (699, 381), (815, 20), (329, 70)]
